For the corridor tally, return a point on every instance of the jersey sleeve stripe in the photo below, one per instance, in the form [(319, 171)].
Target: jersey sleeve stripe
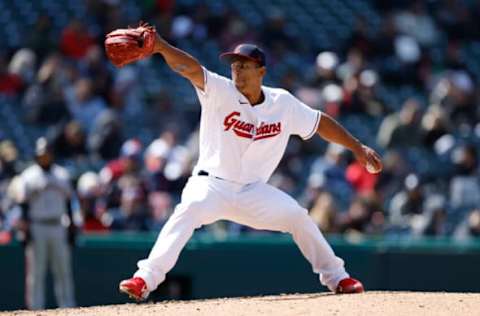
[(315, 127)]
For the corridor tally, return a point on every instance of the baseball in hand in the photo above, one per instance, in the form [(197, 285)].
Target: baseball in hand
[(371, 168)]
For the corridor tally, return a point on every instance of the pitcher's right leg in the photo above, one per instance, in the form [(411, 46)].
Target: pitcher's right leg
[(202, 203)]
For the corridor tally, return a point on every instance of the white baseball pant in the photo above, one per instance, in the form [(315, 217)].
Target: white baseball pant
[(206, 199)]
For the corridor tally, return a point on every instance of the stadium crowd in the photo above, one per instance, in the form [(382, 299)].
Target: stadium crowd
[(428, 136)]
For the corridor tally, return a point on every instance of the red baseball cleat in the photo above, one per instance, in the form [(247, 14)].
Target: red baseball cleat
[(349, 286), (135, 288)]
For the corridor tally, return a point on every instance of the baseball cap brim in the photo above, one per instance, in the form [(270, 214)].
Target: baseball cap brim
[(230, 57)]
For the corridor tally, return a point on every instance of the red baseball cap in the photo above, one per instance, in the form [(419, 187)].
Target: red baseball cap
[(246, 51)]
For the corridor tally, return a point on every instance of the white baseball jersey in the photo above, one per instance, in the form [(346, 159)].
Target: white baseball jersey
[(46, 192), (244, 143)]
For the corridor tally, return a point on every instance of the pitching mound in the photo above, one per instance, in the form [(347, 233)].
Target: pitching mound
[(370, 303)]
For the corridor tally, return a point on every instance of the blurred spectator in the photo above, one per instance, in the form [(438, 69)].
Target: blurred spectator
[(10, 83), (162, 21), (437, 217), (406, 203), (400, 129), (470, 227), (283, 180), (390, 180), (434, 124), (69, 141), (352, 66), (416, 22), (434, 220), (10, 164), (214, 20), (163, 113), (234, 32), (202, 21), (384, 41), (106, 136), (361, 38), (164, 5), (124, 183), (324, 213), (275, 36), (23, 64), (5, 235), (324, 91), (407, 52), (40, 39), (43, 101), (290, 81), (11, 213), (107, 13), (132, 213), (464, 186), (75, 40), (156, 158), (83, 104), (182, 26), (128, 163), (329, 172), (167, 163), (326, 65), (455, 93), (95, 67), (359, 94), (364, 216), (360, 179), (399, 55), (125, 93), (92, 203), (160, 209)]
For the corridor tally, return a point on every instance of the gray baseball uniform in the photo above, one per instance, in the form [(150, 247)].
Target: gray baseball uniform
[(47, 193)]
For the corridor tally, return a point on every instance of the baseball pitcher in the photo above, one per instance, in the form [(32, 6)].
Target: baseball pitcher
[(244, 130)]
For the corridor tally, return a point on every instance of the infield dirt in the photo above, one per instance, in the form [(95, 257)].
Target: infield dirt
[(368, 304)]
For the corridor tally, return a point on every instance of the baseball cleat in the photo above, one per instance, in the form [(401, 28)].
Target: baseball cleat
[(349, 286), (135, 288)]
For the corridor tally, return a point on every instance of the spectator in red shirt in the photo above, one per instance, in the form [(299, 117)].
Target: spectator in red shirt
[(128, 162), (75, 40), (92, 205), (360, 178), (10, 84)]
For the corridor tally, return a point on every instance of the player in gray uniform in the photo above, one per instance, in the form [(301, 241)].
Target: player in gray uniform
[(44, 197)]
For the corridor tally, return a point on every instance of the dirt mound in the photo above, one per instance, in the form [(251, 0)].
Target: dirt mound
[(369, 304)]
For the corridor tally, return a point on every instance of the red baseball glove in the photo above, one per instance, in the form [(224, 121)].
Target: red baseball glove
[(124, 46)]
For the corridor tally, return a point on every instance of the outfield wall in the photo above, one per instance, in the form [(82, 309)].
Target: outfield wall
[(243, 266)]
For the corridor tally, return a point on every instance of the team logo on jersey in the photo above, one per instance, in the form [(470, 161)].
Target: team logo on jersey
[(248, 130)]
